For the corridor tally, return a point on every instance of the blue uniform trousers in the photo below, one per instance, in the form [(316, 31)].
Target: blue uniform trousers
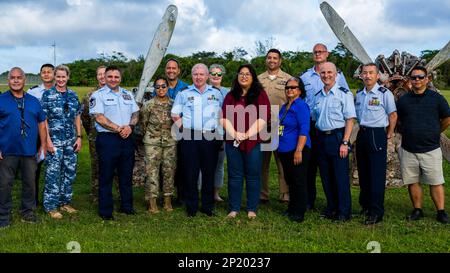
[(115, 153), (199, 155), (371, 157), (311, 173), (334, 172), (60, 173)]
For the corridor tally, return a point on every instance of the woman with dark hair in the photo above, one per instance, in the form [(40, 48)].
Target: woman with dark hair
[(160, 146), (245, 112), (294, 146)]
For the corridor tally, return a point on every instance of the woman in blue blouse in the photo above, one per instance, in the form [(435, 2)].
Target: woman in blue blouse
[(294, 147)]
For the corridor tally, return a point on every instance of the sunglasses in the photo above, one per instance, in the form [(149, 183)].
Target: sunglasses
[(216, 74), (290, 87), (160, 86), (417, 77), (66, 107)]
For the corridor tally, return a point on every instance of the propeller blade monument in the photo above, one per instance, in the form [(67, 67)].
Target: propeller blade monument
[(343, 33), (440, 58), (157, 49)]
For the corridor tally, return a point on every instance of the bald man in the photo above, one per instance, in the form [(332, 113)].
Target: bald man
[(334, 112)]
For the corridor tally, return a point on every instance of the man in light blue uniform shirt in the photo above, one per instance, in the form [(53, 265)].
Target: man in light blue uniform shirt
[(116, 113), (314, 84), (47, 77), (377, 116), (334, 112), (196, 112)]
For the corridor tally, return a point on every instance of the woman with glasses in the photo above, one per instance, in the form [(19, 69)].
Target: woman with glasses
[(245, 112), (160, 146), (294, 146), (63, 111)]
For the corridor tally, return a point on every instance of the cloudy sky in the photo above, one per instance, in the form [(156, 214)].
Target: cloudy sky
[(86, 28)]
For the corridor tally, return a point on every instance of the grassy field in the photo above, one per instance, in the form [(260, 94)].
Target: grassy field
[(270, 232)]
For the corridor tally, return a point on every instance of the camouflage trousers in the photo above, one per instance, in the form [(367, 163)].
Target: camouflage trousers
[(94, 171), (160, 161), (60, 174), (139, 173)]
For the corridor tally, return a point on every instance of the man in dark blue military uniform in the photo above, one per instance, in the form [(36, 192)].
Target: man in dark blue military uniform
[(377, 116), (314, 84), (116, 113), (196, 112), (334, 113)]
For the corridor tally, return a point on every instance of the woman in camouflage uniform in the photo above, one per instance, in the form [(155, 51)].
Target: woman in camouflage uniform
[(63, 110), (160, 146)]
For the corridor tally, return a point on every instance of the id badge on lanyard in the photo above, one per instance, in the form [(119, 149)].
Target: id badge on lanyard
[(280, 130)]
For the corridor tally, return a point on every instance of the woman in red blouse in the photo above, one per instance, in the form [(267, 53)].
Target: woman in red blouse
[(245, 112)]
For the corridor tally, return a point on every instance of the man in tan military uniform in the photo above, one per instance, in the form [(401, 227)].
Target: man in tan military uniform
[(273, 81), (89, 126)]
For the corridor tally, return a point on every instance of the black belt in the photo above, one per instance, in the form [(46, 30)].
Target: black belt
[(331, 132), (371, 128)]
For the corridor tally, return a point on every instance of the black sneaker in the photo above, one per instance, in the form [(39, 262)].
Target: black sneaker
[(4, 224), (372, 220), (415, 215), (442, 217), (30, 218), (128, 212), (107, 217)]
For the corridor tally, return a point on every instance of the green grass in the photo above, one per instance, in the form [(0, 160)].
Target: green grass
[(270, 232)]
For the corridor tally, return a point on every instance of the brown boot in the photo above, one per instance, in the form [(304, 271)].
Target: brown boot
[(168, 203), (153, 207)]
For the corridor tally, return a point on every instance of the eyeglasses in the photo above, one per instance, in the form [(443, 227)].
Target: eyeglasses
[(318, 52), (290, 87), (160, 86), (417, 77), (245, 75), (23, 123), (66, 107), (216, 74)]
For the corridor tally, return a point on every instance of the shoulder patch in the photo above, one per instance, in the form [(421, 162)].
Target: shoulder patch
[(382, 89), (338, 71), (92, 102), (34, 87), (343, 89)]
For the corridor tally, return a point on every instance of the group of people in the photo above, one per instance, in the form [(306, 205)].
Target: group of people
[(189, 130)]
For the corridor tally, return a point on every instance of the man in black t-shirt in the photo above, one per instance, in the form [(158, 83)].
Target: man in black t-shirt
[(423, 114)]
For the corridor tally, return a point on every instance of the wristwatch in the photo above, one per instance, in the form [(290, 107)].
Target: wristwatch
[(345, 142), (79, 136)]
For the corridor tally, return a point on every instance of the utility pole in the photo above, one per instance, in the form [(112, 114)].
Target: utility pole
[(54, 53)]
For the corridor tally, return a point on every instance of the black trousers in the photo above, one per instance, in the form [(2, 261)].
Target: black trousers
[(115, 153), (199, 155), (371, 158), (8, 168), (313, 165), (295, 176)]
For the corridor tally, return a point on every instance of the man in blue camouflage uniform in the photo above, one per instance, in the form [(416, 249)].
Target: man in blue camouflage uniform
[(314, 84), (63, 111), (47, 78)]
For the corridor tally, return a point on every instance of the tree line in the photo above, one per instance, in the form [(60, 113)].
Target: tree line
[(294, 63)]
